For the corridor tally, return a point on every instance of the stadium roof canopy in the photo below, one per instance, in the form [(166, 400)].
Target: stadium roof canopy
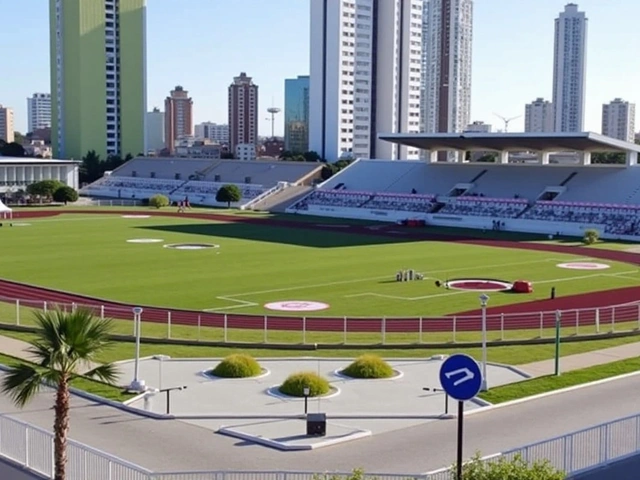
[(540, 142)]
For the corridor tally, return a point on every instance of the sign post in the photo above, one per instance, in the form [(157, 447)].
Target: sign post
[(557, 355), (461, 379)]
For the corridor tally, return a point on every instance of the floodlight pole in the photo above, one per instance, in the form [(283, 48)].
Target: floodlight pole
[(484, 298), (137, 385)]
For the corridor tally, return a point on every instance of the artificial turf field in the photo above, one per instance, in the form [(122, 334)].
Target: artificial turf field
[(260, 263)]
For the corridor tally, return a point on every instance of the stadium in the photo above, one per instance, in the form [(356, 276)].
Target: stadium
[(398, 249)]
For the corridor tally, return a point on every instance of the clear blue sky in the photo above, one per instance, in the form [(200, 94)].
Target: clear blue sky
[(203, 44)]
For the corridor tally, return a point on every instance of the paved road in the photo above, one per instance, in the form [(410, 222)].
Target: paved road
[(176, 446), (9, 471)]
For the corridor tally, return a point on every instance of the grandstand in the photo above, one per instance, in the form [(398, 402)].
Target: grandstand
[(538, 198), (199, 179)]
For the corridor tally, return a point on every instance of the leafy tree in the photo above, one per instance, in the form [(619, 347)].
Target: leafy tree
[(591, 236), (503, 469), (610, 158), (64, 344), (65, 194), (228, 193), (12, 149), (311, 156), (18, 138), (45, 188), (92, 167), (159, 201), (357, 474)]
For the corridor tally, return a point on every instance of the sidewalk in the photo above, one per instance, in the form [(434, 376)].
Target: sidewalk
[(19, 349), (583, 360)]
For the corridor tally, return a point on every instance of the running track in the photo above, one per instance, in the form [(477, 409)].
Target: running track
[(532, 315)]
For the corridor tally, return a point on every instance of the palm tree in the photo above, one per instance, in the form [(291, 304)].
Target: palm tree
[(65, 344)]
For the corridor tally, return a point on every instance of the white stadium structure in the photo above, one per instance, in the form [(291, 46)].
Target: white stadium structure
[(564, 199)]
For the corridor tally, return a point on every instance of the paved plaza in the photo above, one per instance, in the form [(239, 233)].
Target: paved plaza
[(253, 410)]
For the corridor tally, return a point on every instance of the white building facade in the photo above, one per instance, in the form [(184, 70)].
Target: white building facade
[(155, 131), (619, 120), (7, 130), (479, 127), (365, 77), (38, 111), (446, 62), (539, 116), (17, 173), (569, 69), (212, 131)]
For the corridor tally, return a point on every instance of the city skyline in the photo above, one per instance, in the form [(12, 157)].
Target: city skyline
[(278, 35)]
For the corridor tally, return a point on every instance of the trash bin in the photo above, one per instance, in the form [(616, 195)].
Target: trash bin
[(317, 424)]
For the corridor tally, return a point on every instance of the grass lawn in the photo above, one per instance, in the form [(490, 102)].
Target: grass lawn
[(550, 383), (95, 387), (257, 264)]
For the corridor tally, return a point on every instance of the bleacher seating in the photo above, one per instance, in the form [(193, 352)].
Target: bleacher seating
[(369, 200), (333, 198), (485, 207), (260, 172), (128, 187), (402, 202), (525, 181), (617, 219)]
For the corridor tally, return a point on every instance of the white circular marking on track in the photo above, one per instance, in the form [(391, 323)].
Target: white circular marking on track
[(136, 216), (583, 266), (479, 285), (20, 224), (191, 246), (145, 240), (297, 306)]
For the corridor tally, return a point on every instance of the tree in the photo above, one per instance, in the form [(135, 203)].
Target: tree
[(45, 188), (159, 201), (92, 167), (311, 156), (228, 193), (65, 194), (487, 158), (591, 236), (12, 149), (64, 344), (503, 468), (18, 138), (610, 158)]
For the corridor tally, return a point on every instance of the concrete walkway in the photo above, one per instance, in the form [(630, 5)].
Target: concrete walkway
[(583, 360), (19, 349)]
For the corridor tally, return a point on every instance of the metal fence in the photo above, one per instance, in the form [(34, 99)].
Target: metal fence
[(279, 329), (32, 447)]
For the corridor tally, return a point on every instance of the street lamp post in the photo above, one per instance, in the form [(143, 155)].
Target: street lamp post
[(484, 298), (168, 392), (306, 391), (137, 385)]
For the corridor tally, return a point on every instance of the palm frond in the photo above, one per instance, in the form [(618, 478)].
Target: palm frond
[(107, 373), (22, 382)]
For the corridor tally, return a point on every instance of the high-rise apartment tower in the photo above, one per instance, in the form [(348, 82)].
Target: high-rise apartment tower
[(178, 117), (243, 112)]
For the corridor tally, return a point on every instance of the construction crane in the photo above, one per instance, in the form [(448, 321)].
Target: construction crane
[(507, 121)]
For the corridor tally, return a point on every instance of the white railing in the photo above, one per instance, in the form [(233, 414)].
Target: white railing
[(272, 191), (578, 451), (280, 329), (32, 448)]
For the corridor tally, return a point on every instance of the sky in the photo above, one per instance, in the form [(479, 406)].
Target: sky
[(203, 44)]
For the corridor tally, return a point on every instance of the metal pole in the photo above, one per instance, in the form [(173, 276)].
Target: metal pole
[(420, 329), (541, 324), (557, 355), (598, 320), (137, 360), (199, 323), (265, 329), (168, 401), (484, 347), (101, 312), (384, 330), (446, 403), (304, 330), (454, 330), (160, 374), (577, 322), (44, 307), (344, 330), (168, 324), (460, 431), (502, 327), (17, 312), (306, 404), (225, 328)]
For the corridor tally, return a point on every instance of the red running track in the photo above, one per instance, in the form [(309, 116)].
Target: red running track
[(583, 309)]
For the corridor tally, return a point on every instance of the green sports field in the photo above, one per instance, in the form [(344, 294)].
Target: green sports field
[(256, 264)]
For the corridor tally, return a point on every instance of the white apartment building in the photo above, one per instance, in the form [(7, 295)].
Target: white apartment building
[(539, 116), (212, 131), (446, 62), (569, 69), (38, 111), (365, 77), (619, 120), (6, 124), (155, 131)]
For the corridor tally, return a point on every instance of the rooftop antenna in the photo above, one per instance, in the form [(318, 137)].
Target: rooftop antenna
[(507, 121), (273, 111)]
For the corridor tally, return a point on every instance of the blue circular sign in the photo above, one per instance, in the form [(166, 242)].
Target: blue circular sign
[(460, 377)]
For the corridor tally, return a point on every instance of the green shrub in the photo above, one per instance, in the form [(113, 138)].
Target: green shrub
[(65, 194), (159, 201), (591, 236), (504, 468), (238, 365), (295, 383), (369, 366)]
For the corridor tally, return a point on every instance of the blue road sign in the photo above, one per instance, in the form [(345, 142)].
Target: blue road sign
[(460, 377)]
